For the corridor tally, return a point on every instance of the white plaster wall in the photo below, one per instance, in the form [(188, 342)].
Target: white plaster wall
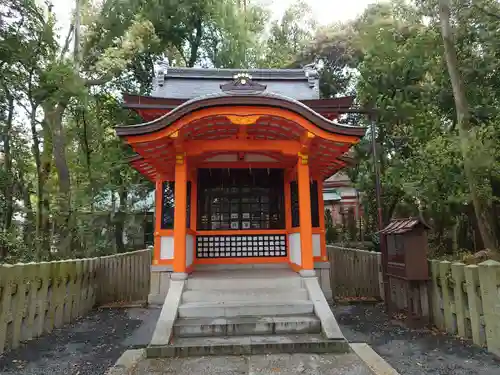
[(167, 247), (316, 245), (189, 249), (295, 253)]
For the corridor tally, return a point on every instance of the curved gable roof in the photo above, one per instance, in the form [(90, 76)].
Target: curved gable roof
[(224, 100)]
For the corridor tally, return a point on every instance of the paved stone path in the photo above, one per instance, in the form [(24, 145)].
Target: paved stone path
[(93, 344), (282, 364)]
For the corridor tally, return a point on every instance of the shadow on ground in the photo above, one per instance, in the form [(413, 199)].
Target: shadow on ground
[(413, 352), (89, 346)]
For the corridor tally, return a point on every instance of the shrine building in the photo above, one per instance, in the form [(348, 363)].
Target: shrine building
[(238, 159)]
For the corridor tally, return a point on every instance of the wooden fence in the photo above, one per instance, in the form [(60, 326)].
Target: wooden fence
[(465, 301), (355, 273), (459, 299), (35, 298)]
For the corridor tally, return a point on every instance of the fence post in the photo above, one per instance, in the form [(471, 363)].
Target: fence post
[(7, 273), (31, 272), (76, 311), (380, 276), (457, 272), (436, 295), (475, 304), (448, 301), (489, 276), (45, 269)]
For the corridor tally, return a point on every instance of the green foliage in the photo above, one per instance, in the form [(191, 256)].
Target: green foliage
[(61, 165), (289, 36), (65, 188), (331, 235)]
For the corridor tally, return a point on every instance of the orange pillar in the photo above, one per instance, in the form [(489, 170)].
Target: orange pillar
[(180, 214), (158, 209), (305, 213), (321, 209), (288, 202), (194, 199)]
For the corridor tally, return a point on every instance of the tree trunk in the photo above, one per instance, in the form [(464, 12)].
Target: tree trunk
[(482, 207), (195, 44), (63, 219), (42, 168), (119, 220), (29, 225), (9, 183), (43, 213), (77, 49), (9, 186)]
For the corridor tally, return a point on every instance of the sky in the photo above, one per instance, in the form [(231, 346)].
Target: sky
[(325, 11)]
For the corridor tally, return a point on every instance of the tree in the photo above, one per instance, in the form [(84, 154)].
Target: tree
[(289, 36), (59, 102), (469, 140)]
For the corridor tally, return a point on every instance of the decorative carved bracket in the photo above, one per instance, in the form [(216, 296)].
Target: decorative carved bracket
[(303, 158), (243, 120), (243, 85), (180, 158)]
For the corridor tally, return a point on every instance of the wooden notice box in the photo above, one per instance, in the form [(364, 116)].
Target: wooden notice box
[(407, 249)]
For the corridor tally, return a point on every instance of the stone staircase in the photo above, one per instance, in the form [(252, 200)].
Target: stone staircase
[(246, 312)]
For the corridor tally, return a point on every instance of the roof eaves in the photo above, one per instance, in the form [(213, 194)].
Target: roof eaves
[(219, 99)]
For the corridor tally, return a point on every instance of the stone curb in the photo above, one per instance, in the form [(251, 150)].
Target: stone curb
[(127, 362), (374, 362)]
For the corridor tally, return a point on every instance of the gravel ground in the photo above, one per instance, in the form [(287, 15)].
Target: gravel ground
[(93, 344), (88, 346), (413, 352)]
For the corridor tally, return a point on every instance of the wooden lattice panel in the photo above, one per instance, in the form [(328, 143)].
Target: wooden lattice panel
[(241, 246)]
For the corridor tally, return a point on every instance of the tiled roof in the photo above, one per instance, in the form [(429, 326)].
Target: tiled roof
[(400, 226), (188, 83), (257, 74)]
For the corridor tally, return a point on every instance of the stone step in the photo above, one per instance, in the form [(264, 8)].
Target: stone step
[(244, 295), (220, 283), (248, 345), (244, 279), (244, 308), (234, 267), (241, 326)]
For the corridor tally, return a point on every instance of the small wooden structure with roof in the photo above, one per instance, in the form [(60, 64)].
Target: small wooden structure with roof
[(239, 160), (407, 268)]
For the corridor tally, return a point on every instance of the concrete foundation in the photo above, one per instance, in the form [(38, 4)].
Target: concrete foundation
[(160, 283), (323, 274), (162, 275)]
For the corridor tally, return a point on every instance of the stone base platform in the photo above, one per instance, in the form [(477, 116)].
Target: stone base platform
[(271, 364), (245, 312), (248, 345), (161, 277)]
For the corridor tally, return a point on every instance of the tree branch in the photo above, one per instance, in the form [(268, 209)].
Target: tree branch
[(67, 41), (487, 12)]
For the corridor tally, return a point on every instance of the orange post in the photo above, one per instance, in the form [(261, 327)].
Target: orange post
[(194, 198), (180, 214), (321, 204), (288, 202), (158, 208), (305, 212)]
